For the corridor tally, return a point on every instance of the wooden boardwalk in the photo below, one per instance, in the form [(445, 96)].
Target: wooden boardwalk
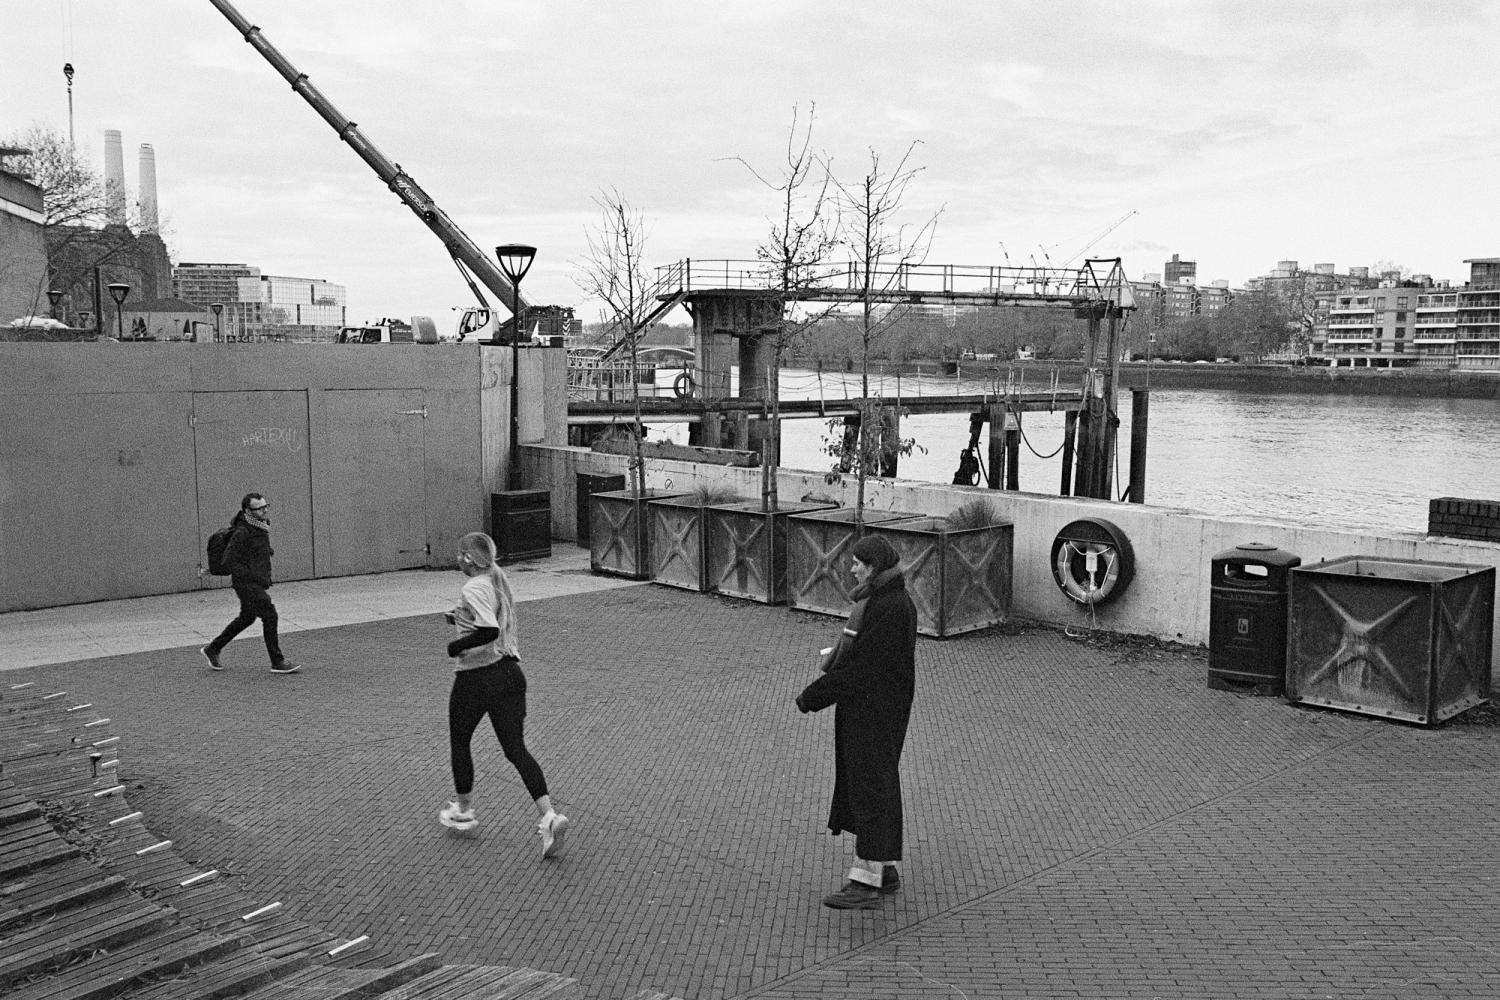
[(93, 904)]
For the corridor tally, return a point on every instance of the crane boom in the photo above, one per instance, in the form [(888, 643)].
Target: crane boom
[(463, 250)]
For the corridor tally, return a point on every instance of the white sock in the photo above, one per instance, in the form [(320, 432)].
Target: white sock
[(863, 877)]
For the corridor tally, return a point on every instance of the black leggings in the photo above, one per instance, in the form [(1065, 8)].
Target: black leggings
[(498, 690)]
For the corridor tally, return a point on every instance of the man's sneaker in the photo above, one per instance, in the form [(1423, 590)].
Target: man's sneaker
[(553, 829), (890, 880), (212, 658), (456, 818), (285, 667), (854, 896)]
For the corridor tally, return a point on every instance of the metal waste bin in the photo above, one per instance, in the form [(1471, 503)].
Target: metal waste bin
[(589, 483), (1249, 597), (521, 524)]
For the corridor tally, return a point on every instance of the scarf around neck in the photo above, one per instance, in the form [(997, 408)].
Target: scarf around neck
[(861, 597)]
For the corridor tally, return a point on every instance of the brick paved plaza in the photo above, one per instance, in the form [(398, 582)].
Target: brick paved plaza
[(1084, 817)]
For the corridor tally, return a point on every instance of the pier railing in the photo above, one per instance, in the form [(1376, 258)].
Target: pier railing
[(1095, 281)]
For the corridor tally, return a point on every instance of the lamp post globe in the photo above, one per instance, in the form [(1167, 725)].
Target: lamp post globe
[(119, 291), (515, 260), (54, 295)]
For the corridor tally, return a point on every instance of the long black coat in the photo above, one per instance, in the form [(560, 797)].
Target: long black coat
[(872, 686)]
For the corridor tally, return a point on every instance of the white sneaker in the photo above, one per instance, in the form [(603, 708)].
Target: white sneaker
[(553, 829), (457, 819)]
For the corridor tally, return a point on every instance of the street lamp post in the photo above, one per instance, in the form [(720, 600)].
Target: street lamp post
[(515, 261), (119, 291), (217, 307)]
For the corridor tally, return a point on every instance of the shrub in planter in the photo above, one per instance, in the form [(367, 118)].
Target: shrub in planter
[(818, 545), (745, 548), (677, 537), (620, 532), (958, 569)]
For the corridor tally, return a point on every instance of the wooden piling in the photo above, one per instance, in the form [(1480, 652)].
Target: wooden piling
[(1012, 453), (995, 474), (1140, 409), (1070, 434)]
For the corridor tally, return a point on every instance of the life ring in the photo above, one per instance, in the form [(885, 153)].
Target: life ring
[(1092, 561), (682, 386)]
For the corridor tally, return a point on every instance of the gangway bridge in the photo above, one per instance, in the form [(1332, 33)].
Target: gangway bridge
[(689, 282)]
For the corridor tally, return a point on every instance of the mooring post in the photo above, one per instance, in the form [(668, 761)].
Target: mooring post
[(890, 441), (995, 474), (1140, 409), (1012, 452), (1070, 434)]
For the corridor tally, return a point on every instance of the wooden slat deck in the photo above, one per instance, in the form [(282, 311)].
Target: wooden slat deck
[(76, 922)]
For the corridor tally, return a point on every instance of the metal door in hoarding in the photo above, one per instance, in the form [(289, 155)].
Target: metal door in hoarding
[(372, 482), (255, 442)]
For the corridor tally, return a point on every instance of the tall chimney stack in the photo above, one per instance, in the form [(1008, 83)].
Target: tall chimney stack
[(114, 178), (146, 185)]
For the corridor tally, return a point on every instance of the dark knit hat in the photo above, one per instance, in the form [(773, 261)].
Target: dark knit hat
[(876, 552)]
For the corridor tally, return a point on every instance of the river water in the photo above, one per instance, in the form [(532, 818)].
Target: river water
[(1322, 460)]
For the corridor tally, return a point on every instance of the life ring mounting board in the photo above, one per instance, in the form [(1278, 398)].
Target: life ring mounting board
[(1092, 561)]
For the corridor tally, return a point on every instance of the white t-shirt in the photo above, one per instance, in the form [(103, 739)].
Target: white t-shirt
[(482, 605)]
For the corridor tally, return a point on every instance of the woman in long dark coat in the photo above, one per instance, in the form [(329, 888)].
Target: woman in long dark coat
[(870, 676)]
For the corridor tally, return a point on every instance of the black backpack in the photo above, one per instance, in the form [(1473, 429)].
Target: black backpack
[(217, 543)]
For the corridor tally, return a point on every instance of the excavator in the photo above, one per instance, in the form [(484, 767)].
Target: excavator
[(477, 269)]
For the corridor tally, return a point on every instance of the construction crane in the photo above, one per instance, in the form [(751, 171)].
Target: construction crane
[(1108, 229), (465, 253)]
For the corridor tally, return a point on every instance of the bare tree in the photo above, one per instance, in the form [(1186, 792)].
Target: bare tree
[(795, 253), (614, 273), (74, 211), (882, 251)]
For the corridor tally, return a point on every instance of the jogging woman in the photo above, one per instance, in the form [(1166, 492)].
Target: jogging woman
[(489, 681)]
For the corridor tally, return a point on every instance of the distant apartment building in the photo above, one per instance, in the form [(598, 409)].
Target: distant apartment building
[(1476, 335), (263, 306), (1180, 272), (1378, 327), (1414, 322), (1174, 295)]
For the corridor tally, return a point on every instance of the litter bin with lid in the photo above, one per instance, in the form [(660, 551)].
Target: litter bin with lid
[(1249, 599)]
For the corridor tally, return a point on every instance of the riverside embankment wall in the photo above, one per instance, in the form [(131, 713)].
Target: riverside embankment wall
[(1169, 597)]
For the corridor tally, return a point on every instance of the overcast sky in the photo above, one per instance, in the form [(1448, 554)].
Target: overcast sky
[(1239, 133)]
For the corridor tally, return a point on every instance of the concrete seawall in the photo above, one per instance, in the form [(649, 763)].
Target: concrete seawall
[(1169, 597)]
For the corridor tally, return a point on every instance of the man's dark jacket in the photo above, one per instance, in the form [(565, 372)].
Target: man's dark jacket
[(248, 554)]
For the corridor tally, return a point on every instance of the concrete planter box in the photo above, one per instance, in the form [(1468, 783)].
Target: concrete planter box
[(745, 549), (1396, 638), (959, 578), (678, 554), (818, 552), (620, 532)]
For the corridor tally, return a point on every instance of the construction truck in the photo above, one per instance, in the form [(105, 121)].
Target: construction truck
[(421, 330)]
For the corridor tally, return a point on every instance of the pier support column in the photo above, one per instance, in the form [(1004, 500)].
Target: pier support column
[(1140, 410)]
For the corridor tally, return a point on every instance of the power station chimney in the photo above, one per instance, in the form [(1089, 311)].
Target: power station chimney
[(146, 188), (114, 178)]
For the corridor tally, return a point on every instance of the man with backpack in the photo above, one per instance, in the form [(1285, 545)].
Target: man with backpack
[(247, 560)]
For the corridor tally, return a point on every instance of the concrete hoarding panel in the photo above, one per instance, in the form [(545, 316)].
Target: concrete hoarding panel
[(93, 428), (94, 492)]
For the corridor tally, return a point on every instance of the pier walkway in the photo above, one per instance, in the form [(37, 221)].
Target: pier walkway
[(1084, 817)]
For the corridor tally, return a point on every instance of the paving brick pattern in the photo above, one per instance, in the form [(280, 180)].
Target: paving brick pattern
[(1084, 817)]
